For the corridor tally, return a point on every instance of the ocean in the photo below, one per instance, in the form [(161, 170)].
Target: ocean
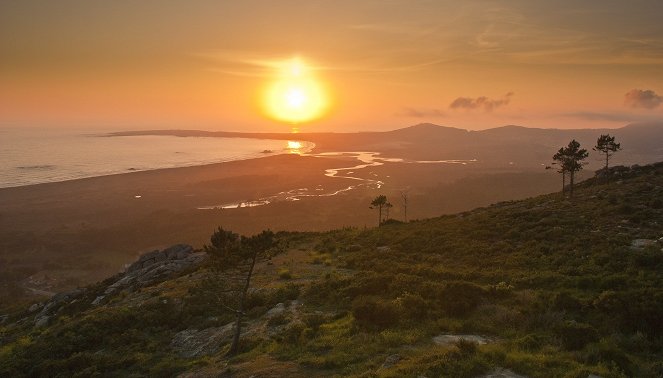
[(34, 156)]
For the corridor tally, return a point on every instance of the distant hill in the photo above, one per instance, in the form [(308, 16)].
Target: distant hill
[(527, 147), (543, 287)]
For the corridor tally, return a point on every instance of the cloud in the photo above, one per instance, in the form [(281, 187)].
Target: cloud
[(637, 98), (421, 113), (482, 102)]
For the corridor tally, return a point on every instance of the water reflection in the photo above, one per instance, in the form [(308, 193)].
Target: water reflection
[(367, 159)]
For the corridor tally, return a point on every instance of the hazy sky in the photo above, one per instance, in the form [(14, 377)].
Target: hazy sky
[(387, 64)]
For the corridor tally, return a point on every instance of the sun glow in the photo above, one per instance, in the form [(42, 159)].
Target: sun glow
[(296, 95)]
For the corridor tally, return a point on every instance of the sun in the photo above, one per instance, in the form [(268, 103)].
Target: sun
[(296, 95)]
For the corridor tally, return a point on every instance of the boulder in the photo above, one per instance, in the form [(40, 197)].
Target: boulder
[(391, 361), (97, 300), (449, 339), (42, 321), (35, 307), (502, 373), (642, 243), (275, 311), (192, 343)]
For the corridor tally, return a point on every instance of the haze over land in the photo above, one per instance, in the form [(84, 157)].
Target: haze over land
[(398, 188)]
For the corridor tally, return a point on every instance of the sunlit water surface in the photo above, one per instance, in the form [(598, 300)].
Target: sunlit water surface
[(31, 156)]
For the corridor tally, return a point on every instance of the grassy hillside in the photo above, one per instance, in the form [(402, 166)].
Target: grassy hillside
[(544, 287)]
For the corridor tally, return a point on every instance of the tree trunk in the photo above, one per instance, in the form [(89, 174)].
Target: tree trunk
[(240, 312), (563, 183), (571, 180), (607, 157), (379, 215)]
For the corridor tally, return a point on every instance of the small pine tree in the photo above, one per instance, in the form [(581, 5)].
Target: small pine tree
[(379, 203), (606, 145), (571, 159)]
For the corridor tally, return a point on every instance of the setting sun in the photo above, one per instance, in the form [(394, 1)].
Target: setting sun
[(296, 96)]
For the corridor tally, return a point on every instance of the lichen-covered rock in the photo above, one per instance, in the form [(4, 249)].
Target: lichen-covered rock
[(502, 373), (391, 361), (156, 265), (192, 343), (449, 339)]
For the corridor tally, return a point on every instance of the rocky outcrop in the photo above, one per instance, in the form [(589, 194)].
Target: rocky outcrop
[(502, 373), (154, 266), (448, 339), (391, 361), (642, 243), (148, 269), (192, 343), (49, 308)]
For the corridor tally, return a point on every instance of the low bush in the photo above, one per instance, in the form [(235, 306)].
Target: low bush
[(374, 313)]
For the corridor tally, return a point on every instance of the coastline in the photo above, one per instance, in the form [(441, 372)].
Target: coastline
[(79, 156)]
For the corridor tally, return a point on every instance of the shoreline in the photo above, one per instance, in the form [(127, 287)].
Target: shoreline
[(304, 147)]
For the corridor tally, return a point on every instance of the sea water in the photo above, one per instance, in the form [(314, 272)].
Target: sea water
[(33, 156)]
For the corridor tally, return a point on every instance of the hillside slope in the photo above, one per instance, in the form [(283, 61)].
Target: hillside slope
[(544, 287)]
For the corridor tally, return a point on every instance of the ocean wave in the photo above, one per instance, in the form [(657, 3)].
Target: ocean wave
[(43, 167)]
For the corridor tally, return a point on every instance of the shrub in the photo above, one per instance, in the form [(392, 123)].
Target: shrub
[(575, 336), (412, 306), (460, 298), (284, 274), (563, 301), (372, 312)]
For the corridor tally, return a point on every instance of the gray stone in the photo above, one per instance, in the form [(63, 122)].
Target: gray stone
[(42, 321), (3, 318), (156, 265), (35, 307), (502, 373), (642, 243), (192, 343), (391, 361), (383, 249), (97, 300), (594, 376), (277, 310), (449, 339), (353, 247)]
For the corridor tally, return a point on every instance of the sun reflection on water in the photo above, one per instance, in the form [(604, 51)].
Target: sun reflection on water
[(294, 146)]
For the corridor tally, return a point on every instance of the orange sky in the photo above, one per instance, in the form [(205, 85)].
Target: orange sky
[(388, 64)]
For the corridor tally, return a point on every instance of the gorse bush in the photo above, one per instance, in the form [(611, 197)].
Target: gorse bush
[(375, 313)]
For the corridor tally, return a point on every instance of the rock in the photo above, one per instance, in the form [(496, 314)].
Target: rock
[(448, 339), (156, 265), (192, 343), (277, 310), (97, 300), (391, 361), (353, 248), (383, 249), (42, 321), (642, 243), (35, 307), (502, 373), (594, 376), (3, 318)]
